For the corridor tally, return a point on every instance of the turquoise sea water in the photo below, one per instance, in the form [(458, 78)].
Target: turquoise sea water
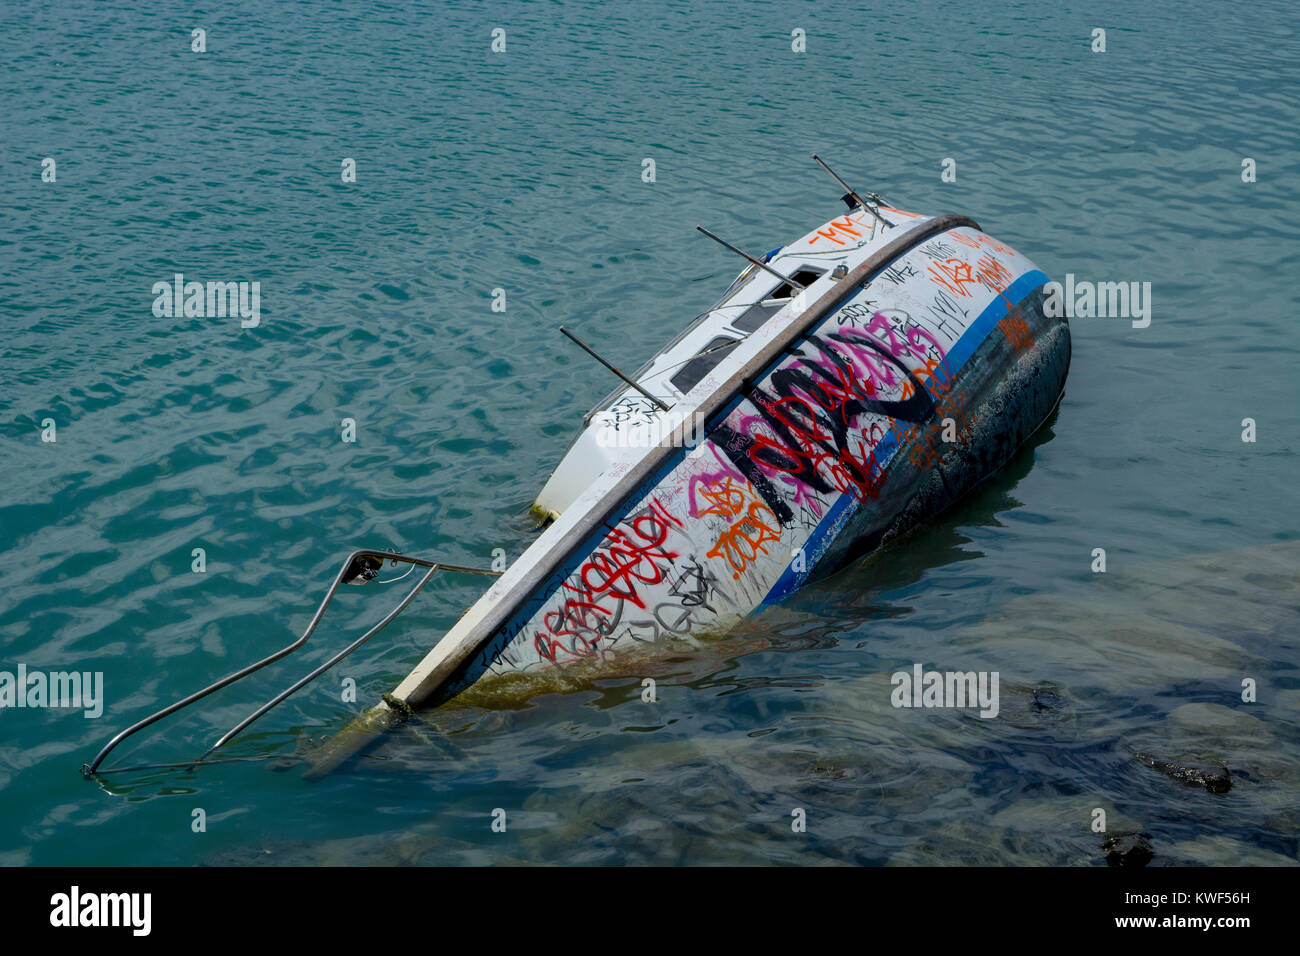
[(522, 170)]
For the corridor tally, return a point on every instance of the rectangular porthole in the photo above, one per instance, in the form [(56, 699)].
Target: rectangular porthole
[(758, 313), (704, 362)]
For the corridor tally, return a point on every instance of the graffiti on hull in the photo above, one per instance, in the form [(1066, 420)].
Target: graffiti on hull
[(817, 433)]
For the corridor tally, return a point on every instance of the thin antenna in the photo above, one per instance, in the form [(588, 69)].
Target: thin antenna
[(852, 192), (592, 352), (762, 265)]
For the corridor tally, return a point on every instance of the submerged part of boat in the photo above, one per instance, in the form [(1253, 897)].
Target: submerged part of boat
[(845, 388)]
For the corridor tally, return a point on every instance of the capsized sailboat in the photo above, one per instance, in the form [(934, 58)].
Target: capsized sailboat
[(844, 388)]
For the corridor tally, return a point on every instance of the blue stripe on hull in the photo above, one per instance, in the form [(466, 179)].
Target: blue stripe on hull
[(828, 528)]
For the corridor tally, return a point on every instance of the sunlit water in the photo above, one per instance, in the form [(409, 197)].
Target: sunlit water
[(522, 170)]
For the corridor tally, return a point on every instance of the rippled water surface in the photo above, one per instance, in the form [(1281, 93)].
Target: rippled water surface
[(522, 170)]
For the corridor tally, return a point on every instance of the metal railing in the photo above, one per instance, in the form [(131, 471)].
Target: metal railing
[(362, 565)]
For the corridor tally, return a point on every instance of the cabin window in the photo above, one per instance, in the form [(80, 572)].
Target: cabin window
[(704, 362), (758, 313)]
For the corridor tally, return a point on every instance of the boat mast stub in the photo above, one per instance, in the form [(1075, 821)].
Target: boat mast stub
[(850, 192), (758, 262), (594, 354)]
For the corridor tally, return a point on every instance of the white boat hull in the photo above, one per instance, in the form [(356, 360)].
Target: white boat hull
[(827, 431)]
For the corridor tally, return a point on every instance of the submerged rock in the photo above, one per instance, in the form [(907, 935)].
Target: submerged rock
[(1218, 780), (1219, 850), (1044, 706), (1129, 849)]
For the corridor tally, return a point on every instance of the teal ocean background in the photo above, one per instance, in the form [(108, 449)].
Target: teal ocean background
[(522, 171)]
